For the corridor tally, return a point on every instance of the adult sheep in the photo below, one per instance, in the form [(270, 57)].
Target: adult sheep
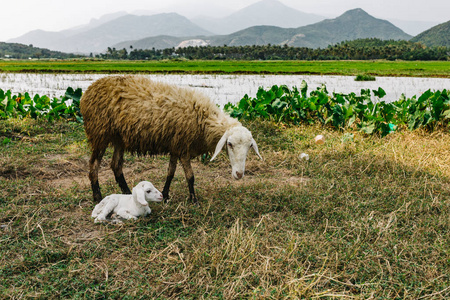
[(141, 116)]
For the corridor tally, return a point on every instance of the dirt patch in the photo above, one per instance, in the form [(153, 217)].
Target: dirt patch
[(63, 171), (67, 182), (11, 172), (79, 237), (256, 172)]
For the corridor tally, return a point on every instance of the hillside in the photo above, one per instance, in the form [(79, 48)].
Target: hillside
[(58, 40), (413, 27), (353, 24), (265, 12), (20, 51), (157, 42), (439, 35), (98, 38), (257, 35)]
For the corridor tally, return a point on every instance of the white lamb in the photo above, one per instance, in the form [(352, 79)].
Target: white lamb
[(128, 206)]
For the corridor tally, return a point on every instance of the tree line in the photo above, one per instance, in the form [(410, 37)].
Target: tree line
[(362, 49)]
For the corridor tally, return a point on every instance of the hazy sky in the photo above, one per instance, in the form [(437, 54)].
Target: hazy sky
[(20, 16)]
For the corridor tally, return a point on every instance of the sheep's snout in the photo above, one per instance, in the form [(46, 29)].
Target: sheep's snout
[(238, 175), (237, 167), (156, 196), (159, 198)]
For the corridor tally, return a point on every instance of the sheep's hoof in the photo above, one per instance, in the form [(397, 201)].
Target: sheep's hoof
[(194, 200), (166, 198), (97, 198)]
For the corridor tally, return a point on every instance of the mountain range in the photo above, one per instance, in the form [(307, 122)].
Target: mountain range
[(108, 33), (266, 22), (353, 24)]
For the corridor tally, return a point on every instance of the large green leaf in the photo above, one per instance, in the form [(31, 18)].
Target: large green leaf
[(304, 88), (278, 104), (380, 93)]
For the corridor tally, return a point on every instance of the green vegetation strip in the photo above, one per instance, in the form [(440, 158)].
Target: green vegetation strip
[(281, 104), (350, 68)]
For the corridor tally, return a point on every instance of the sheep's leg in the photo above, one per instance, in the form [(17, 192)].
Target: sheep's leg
[(116, 166), (186, 163), (94, 165), (170, 174)]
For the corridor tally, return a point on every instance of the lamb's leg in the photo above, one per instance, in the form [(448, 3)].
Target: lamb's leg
[(109, 204), (116, 166), (170, 174), (94, 165), (186, 163), (98, 209), (125, 214)]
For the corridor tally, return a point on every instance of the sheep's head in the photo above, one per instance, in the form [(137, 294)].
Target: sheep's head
[(238, 141), (144, 191)]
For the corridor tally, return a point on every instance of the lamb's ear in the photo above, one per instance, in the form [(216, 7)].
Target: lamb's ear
[(255, 147), (139, 195), (220, 145)]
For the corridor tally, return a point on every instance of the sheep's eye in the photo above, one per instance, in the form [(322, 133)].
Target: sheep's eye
[(230, 145), (148, 192)]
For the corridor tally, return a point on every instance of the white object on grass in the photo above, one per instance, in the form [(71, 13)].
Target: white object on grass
[(319, 140), (304, 156), (128, 206)]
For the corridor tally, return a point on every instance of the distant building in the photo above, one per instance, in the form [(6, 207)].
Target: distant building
[(192, 43)]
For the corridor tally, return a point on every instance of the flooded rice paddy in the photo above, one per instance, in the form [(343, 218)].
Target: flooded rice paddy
[(228, 88)]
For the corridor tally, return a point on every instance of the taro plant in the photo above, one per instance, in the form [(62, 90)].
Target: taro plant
[(367, 112), (41, 107), (430, 110)]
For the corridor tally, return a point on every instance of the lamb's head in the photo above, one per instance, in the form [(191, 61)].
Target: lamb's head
[(238, 141), (144, 191)]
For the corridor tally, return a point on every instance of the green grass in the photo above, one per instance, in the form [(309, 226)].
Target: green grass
[(365, 217), (365, 77), (374, 68)]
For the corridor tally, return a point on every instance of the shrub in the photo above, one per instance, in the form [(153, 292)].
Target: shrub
[(365, 77)]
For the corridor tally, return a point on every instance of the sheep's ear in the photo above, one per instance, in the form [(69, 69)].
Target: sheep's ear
[(220, 145), (255, 147), (139, 195)]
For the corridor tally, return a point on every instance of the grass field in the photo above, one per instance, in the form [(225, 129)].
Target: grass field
[(374, 68), (364, 218)]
